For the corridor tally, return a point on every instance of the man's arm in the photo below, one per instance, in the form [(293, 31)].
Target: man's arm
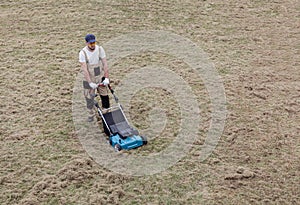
[(105, 67), (86, 72)]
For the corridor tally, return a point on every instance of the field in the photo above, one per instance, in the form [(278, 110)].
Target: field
[(254, 46)]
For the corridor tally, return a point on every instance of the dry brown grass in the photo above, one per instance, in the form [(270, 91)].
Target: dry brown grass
[(255, 47)]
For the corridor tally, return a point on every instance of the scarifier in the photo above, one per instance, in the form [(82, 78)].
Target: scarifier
[(122, 136)]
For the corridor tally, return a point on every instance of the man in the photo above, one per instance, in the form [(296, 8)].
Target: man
[(95, 70)]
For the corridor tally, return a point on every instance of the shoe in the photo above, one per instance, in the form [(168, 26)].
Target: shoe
[(90, 119)]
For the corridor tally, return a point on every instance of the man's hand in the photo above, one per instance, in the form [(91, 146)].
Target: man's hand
[(105, 81), (93, 85)]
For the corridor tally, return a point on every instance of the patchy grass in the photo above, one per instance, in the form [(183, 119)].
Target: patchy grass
[(253, 46)]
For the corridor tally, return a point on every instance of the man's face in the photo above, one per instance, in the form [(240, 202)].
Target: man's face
[(91, 46)]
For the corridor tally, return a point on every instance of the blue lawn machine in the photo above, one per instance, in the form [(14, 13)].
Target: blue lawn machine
[(122, 136)]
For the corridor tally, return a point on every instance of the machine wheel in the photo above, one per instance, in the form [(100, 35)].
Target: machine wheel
[(117, 147), (144, 140)]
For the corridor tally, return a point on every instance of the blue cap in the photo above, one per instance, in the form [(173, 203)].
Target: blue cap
[(90, 38)]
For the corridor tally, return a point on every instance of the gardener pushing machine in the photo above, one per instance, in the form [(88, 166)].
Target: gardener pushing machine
[(95, 70)]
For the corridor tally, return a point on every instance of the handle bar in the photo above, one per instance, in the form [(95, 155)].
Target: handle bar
[(111, 90)]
